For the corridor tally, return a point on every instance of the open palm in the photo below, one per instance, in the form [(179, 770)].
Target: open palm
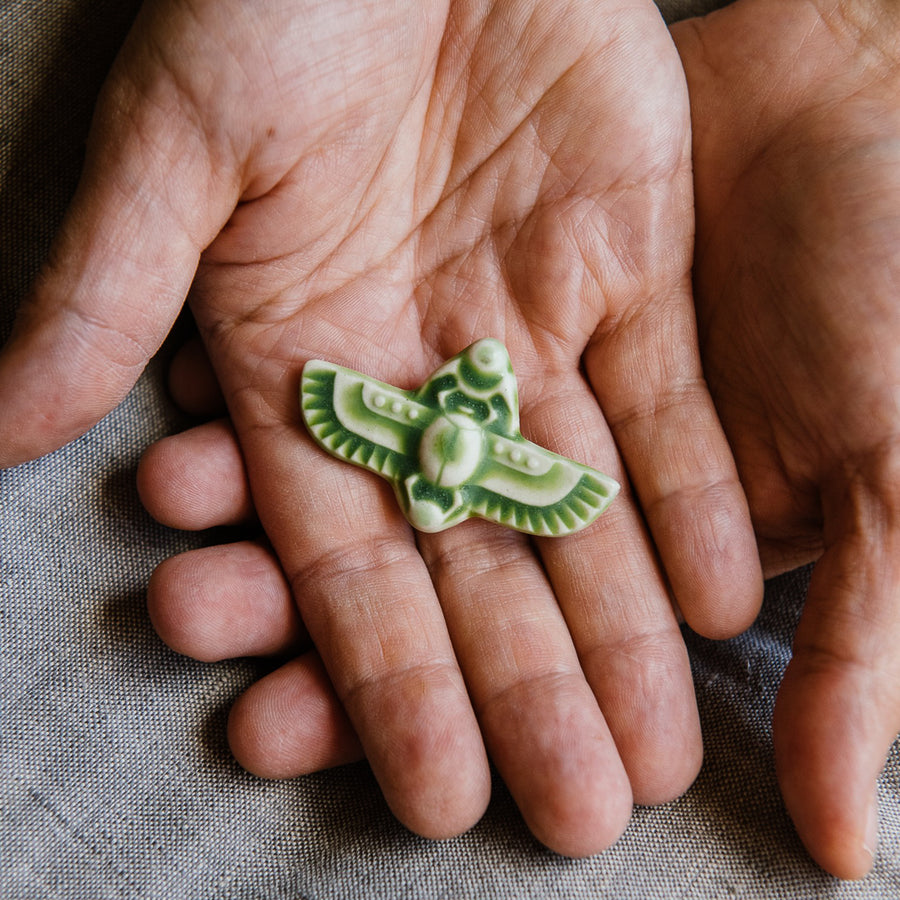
[(379, 184), (796, 124)]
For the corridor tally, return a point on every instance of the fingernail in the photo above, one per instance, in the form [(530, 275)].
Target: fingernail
[(871, 839)]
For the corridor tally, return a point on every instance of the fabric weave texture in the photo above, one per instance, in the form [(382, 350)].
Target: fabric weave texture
[(115, 776)]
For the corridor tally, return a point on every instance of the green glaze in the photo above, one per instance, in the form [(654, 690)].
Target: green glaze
[(453, 449)]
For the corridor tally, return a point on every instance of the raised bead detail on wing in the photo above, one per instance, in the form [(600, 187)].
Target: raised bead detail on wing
[(453, 449)]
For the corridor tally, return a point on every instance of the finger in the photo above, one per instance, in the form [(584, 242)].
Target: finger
[(838, 710), (225, 601), (646, 376), (119, 269), (196, 479), (193, 383), (368, 602), (542, 725), (633, 656), (618, 611), (291, 723)]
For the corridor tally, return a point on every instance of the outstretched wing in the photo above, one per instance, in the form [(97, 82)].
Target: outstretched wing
[(524, 486), (361, 420)]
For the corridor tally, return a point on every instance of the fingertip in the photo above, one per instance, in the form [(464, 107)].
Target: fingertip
[(174, 624), (222, 602), (584, 817), (440, 786), (54, 386), (151, 482), (291, 723), (593, 837), (836, 714), (593, 833), (553, 748), (827, 763), (196, 480), (713, 563), (663, 754), (645, 689), (420, 735), (116, 277)]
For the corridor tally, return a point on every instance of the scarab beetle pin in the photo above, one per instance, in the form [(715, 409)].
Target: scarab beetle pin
[(452, 449)]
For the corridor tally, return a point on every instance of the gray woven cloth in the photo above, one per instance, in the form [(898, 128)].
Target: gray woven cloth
[(115, 777)]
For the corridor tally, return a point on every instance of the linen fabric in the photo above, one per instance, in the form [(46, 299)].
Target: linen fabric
[(115, 776)]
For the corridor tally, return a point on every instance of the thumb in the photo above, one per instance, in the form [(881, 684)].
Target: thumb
[(838, 709), (118, 271)]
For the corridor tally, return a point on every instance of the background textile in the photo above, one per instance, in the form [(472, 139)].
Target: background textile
[(115, 777)]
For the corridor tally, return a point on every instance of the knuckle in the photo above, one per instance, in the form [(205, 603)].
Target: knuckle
[(464, 559), (342, 564)]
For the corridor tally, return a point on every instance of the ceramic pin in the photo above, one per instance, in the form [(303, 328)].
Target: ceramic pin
[(453, 449)]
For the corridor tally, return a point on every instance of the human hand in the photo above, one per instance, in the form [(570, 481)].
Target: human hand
[(797, 161), (378, 185)]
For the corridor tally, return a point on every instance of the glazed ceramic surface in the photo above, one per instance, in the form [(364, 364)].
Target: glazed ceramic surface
[(453, 449)]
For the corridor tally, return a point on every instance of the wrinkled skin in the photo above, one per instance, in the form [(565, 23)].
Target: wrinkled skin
[(797, 159), (796, 123), (379, 184)]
